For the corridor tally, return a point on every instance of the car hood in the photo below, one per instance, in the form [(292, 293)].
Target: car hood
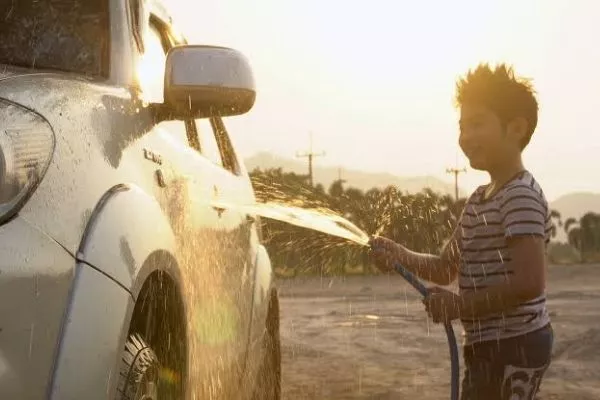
[(9, 71), (45, 91)]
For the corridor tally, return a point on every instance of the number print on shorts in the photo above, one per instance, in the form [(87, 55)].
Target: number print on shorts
[(521, 383)]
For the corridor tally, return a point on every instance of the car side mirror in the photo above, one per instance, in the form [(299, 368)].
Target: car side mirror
[(201, 81)]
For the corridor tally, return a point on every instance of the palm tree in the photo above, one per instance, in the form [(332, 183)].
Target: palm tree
[(571, 227), (555, 216), (584, 234), (569, 223), (589, 226)]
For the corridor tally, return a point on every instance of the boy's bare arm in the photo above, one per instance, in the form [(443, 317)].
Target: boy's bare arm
[(526, 283), (440, 269)]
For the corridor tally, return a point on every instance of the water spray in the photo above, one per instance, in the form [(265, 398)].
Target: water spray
[(336, 225)]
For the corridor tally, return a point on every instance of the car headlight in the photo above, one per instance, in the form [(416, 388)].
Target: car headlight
[(26, 147)]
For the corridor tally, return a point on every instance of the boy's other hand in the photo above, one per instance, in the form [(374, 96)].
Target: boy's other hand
[(384, 253), (442, 305)]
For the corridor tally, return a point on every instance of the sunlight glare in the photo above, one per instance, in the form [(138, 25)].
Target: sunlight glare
[(151, 68)]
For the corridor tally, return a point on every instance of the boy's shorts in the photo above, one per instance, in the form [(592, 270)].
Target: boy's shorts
[(507, 369)]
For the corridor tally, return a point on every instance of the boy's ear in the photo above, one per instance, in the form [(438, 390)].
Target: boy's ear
[(517, 129)]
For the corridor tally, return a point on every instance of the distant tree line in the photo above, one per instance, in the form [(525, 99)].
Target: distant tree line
[(584, 236), (422, 221)]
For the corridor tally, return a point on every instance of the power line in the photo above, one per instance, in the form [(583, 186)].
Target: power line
[(455, 171), (310, 154)]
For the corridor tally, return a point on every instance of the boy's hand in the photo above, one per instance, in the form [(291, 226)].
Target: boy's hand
[(385, 253), (442, 305)]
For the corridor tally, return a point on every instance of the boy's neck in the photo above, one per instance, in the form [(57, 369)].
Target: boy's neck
[(499, 176)]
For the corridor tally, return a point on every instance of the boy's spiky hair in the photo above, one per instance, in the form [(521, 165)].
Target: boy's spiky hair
[(500, 91)]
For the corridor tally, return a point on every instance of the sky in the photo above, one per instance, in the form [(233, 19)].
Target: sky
[(374, 81)]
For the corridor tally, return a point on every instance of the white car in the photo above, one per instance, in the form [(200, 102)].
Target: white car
[(129, 266)]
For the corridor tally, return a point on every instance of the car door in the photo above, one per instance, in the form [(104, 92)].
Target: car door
[(231, 194)]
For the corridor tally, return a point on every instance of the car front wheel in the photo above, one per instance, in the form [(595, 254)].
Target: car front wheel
[(139, 371)]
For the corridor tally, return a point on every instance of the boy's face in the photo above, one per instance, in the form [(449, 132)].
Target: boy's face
[(484, 140)]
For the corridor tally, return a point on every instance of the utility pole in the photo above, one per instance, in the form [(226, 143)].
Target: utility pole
[(455, 171), (310, 154), (342, 181)]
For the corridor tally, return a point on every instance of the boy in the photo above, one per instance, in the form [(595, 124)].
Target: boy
[(498, 249)]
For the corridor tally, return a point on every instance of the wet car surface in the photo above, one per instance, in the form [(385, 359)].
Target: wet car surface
[(121, 229)]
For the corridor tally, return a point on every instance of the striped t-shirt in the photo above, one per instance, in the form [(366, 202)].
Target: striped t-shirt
[(518, 208)]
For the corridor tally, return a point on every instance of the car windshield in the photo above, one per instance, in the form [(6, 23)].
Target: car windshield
[(65, 35)]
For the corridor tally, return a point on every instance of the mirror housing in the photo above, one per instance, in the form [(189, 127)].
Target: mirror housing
[(203, 81)]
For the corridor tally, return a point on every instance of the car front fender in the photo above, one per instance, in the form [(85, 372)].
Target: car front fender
[(93, 334), (125, 228)]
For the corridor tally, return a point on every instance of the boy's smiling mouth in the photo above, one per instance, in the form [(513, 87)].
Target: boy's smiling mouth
[(472, 151)]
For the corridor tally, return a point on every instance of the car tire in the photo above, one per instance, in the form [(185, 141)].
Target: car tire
[(269, 373), (140, 369)]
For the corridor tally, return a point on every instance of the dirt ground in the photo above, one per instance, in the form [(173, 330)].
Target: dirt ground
[(369, 338)]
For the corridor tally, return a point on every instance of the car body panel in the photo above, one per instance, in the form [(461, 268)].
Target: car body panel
[(264, 283), (89, 356), (260, 305), (35, 276)]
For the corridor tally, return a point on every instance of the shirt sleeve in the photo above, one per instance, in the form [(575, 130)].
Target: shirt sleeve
[(524, 212)]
